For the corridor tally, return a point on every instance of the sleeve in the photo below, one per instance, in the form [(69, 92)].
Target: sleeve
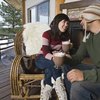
[(92, 75), (79, 56), (46, 46)]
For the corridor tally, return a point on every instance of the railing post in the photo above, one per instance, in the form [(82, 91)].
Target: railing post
[(8, 44)]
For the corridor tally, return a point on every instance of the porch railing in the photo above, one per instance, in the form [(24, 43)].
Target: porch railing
[(6, 42)]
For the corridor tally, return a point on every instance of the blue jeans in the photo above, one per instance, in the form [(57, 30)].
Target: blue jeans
[(83, 90), (49, 70)]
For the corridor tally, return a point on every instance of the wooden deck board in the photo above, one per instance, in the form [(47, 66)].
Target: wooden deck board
[(4, 82), (5, 91), (5, 64), (6, 98), (5, 86)]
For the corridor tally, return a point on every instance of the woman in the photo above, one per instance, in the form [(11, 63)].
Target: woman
[(52, 42)]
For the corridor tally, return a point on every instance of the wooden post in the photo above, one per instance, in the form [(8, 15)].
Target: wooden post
[(58, 2), (23, 12)]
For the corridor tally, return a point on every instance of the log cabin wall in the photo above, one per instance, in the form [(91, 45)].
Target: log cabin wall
[(73, 10), (78, 4), (58, 2)]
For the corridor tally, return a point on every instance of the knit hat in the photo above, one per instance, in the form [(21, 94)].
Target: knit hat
[(91, 13)]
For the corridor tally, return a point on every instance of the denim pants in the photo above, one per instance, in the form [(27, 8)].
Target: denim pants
[(83, 90), (49, 70)]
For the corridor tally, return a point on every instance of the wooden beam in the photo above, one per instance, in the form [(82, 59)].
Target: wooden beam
[(15, 3), (58, 2), (78, 4)]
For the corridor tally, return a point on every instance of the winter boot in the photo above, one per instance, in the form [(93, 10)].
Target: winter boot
[(60, 89), (45, 91)]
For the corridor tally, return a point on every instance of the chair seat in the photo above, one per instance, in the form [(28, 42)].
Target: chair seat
[(27, 97), (31, 76)]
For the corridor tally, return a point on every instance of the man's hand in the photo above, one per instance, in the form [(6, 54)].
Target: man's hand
[(75, 75)]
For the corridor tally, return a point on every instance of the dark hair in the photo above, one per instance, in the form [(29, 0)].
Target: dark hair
[(54, 24)]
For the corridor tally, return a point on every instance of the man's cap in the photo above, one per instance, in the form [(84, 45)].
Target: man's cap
[(91, 13)]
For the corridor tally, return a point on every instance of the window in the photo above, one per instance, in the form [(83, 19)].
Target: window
[(39, 13), (42, 11), (33, 14)]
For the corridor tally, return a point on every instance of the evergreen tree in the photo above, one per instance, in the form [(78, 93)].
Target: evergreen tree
[(12, 17)]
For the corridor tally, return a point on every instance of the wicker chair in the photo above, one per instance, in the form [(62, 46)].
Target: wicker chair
[(24, 77)]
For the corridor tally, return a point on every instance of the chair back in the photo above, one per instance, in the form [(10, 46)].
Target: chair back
[(32, 37)]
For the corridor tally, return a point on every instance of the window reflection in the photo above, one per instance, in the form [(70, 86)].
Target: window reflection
[(39, 13), (43, 12)]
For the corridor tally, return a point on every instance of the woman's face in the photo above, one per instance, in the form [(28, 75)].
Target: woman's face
[(63, 25)]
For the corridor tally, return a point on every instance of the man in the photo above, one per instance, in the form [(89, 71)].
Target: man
[(85, 84)]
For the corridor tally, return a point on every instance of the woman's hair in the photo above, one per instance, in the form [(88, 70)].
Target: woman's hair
[(54, 25)]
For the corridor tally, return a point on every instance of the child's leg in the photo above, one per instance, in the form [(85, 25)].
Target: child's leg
[(47, 66), (46, 85)]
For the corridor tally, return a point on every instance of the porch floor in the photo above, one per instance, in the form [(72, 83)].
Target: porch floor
[(5, 82), (5, 64)]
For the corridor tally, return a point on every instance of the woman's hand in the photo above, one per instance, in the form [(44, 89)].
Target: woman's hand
[(75, 75)]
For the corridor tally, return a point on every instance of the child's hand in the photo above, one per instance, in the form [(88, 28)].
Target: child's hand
[(71, 45), (68, 56)]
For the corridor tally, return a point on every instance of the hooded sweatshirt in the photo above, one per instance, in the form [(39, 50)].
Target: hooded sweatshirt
[(92, 48)]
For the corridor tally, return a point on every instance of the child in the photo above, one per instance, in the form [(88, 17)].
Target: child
[(52, 42)]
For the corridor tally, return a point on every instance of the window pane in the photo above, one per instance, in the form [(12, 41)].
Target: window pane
[(33, 14), (43, 12)]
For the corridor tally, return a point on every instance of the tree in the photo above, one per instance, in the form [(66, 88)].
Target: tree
[(12, 17)]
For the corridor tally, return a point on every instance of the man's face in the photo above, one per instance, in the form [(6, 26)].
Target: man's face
[(85, 24)]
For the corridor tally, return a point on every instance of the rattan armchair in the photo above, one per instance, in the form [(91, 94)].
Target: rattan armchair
[(24, 77)]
